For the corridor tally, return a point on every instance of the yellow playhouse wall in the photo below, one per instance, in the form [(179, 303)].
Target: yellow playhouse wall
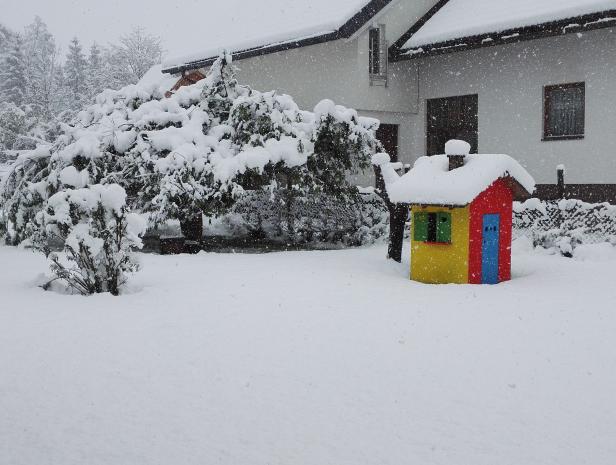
[(442, 263)]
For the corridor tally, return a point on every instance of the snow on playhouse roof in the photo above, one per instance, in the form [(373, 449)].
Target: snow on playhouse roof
[(430, 182), (465, 18), (266, 25)]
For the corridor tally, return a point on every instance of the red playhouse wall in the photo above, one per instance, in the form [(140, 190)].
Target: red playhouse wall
[(497, 198)]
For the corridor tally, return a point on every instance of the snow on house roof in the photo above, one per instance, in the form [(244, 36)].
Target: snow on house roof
[(430, 182), (155, 79), (266, 23), (465, 18)]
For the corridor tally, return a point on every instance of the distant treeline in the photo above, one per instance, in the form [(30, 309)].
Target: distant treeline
[(41, 86)]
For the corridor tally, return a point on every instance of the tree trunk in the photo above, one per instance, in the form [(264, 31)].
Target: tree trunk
[(397, 219), (192, 227)]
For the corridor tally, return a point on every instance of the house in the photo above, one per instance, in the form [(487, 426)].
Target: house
[(461, 213), (525, 77)]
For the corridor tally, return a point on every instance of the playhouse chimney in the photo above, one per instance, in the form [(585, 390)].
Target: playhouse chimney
[(456, 161), (456, 151)]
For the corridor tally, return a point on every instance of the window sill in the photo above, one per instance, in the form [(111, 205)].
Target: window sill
[(557, 138), (377, 80), (437, 243)]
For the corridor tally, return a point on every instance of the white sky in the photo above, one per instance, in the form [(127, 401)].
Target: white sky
[(186, 26)]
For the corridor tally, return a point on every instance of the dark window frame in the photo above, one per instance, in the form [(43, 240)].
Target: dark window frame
[(547, 98), (391, 146), (374, 57), (435, 105), (377, 56), (388, 129)]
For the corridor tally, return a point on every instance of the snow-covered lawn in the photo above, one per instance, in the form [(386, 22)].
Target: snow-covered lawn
[(310, 358)]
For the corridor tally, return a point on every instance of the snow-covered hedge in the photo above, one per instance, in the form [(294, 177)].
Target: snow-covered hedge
[(564, 224), (314, 218)]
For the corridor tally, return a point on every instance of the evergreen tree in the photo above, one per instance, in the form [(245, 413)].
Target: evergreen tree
[(75, 74), (13, 72), (13, 126), (4, 36), (63, 104), (41, 67), (95, 72)]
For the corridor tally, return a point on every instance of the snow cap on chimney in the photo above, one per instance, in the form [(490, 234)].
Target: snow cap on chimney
[(456, 151)]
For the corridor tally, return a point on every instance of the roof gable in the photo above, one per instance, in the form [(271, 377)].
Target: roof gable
[(350, 19)]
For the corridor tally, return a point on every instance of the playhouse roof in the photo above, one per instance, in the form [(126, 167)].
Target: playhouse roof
[(466, 18), (430, 182)]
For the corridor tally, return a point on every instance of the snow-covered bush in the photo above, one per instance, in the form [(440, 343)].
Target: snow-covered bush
[(559, 240), (562, 225), (98, 235), (23, 192)]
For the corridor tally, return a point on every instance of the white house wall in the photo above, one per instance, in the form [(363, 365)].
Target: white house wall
[(339, 71), (335, 70), (509, 81)]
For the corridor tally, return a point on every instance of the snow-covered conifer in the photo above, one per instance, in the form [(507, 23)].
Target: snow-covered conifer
[(95, 72), (75, 72), (41, 63), (13, 126), (13, 72)]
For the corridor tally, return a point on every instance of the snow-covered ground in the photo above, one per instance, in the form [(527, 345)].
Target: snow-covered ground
[(311, 358)]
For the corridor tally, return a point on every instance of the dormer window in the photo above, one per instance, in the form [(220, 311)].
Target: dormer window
[(377, 56)]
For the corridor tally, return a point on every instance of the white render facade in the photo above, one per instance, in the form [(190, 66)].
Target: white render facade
[(508, 79)]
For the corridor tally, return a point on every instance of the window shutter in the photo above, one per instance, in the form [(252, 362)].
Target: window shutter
[(443, 227), (420, 227)]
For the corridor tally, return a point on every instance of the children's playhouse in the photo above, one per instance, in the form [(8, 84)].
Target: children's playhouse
[(461, 214)]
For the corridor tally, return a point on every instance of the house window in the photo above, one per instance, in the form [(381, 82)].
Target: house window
[(377, 56), (432, 227), (564, 109), (387, 134)]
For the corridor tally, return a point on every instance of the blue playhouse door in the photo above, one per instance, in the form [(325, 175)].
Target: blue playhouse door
[(489, 250)]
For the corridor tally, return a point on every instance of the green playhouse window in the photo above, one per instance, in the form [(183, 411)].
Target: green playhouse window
[(432, 227)]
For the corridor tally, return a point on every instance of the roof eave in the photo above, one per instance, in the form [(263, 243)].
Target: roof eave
[(344, 32), (518, 190), (599, 20)]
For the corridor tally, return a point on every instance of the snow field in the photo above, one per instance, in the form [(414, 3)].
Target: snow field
[(310, 358)]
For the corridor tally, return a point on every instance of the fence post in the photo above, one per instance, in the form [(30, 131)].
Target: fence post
[(560, 183)]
